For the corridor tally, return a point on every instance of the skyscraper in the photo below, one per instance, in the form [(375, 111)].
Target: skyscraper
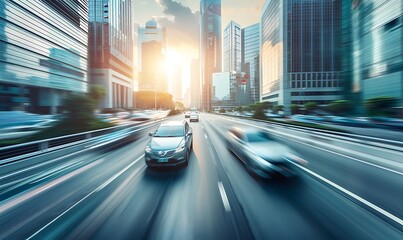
[(40, 63), (373, 50), (111, 45), (195, 85), (152, 39), (210, 46), (232, 47), (300, 44), (177, 84), (250, 59), (151, 32), (152, 56)]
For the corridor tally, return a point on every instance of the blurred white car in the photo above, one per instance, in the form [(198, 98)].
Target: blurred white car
[(194, 117), (261, 154)]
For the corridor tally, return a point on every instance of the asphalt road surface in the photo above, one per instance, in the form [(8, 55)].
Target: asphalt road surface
[(108, 192)]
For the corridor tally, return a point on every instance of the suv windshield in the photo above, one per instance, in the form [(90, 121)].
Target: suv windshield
[(169, 131), (258, 137)]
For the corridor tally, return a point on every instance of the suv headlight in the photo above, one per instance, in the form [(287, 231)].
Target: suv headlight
[(181, 147), (148, 149)]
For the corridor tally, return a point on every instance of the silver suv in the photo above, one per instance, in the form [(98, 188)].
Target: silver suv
[(170, 145)]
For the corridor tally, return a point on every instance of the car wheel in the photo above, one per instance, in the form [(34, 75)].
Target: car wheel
[(187, 159)]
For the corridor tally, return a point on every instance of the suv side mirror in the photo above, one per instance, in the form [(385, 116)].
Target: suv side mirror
[(150, 134), (190, 133)]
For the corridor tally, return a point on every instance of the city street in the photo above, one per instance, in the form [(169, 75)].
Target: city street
[(346, 191)]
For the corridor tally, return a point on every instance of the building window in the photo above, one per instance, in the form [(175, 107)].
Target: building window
[(309, 84), (298, 84), (319, 83), (298, 76), (314, 84), (303, 84), (293, 84)]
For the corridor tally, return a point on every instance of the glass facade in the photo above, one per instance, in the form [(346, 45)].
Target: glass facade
[(221, 88), (271, 49), (376, 48), (301, 46), (43, 53), (111, 48), (210, 47), (250, 58), (232, 47), (153, 39), (151, 32)]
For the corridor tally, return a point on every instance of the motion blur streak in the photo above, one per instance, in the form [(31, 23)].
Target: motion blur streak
[(14, 202), (214, 197)]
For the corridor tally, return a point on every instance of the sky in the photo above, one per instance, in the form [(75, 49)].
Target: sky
[(181, 17)]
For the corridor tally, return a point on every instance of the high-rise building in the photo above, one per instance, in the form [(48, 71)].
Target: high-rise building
[(210, 46), (300, 46), (151, 78), (152, 49), (40, 65), (232, 47), (373, 50), (151, 32), (230, 89), (177, 84), (195, 85), (111, 49), (250, 59), (221, 90)]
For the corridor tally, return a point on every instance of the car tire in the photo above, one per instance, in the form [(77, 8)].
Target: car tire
[(187, 159)]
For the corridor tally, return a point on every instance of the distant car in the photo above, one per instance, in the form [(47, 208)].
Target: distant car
[(187, 114), (260, 153), (194, 117), (139, 116), (170, 145)]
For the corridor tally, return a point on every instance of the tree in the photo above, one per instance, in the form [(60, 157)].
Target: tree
[(97, 93), (294, 108), (221, 110), (179, 106), (310, 106), (340, 107), (80, 110), (380, 106), (278, 108), (260, 111), (239, 109)]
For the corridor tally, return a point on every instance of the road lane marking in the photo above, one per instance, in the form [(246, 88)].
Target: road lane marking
[(355, 196), (330, 151), (224, 197), (14, 202), (88, 195)]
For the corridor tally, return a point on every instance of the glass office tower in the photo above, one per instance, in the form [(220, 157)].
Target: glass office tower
[(111, 44), (232, 47), (250, 59), (373, 51), (300, 52), (210, 46), (43, 53)]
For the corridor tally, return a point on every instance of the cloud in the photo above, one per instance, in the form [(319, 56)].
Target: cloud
[(181, 23)]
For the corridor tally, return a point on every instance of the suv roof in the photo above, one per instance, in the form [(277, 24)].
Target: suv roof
[(173, 123)]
